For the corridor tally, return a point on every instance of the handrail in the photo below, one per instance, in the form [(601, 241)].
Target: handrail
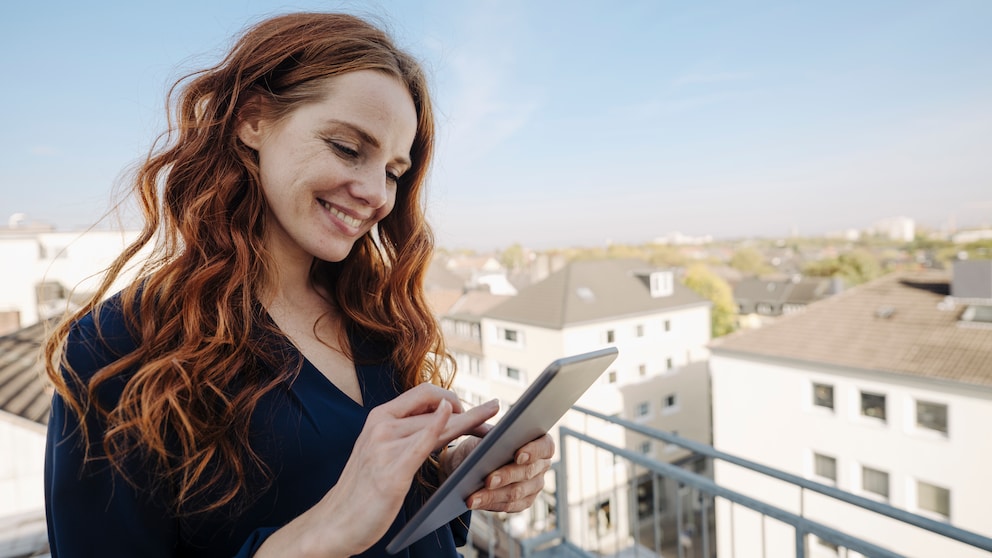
[(944, 529), (803, 525)]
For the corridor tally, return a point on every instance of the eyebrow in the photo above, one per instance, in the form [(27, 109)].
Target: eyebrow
[(369, 139)]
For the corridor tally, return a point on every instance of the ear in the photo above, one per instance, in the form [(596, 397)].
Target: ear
[(251, 125)]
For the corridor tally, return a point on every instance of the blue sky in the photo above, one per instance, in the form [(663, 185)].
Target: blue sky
[(566, 123)]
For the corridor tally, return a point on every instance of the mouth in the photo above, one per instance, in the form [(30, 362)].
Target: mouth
[(345, 218)]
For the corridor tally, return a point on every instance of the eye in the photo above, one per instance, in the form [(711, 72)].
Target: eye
[(392, 177), (344, 150)]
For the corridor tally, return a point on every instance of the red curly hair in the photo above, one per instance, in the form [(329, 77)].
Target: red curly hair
[(190, 394)]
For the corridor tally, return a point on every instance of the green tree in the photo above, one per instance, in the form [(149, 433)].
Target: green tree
[(513, 257), (749, 261), (854, 267), (709, 285)]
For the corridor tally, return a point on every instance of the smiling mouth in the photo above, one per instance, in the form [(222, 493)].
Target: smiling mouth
[(348, 219)]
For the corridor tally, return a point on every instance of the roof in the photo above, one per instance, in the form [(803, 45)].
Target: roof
[(23, 390), (804, 290), (590, 291), (903, 323)]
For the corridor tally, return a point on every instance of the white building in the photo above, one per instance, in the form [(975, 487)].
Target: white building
[(49, 270), (902, 229), (24, 406), (661, 329), (883, 391)]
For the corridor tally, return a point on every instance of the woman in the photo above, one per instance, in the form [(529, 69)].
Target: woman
[(272, 384)]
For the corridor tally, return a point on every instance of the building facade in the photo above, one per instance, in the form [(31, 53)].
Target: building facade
[(884, 391)]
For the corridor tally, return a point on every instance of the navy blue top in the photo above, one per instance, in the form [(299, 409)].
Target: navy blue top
[(303, 431)]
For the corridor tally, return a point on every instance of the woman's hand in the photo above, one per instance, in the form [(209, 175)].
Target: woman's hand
[(396, 440), (513, 487)]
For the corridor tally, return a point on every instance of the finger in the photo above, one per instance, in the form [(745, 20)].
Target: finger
[(423, 398), (513, 498), (541, 448), (510, 474), (470, 421)]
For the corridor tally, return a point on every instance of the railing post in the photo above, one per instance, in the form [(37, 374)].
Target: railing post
[(678, 517), (561, 487)]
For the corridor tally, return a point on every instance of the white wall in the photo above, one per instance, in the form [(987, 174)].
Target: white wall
[(22, 465), (763, 411), (74, 259)]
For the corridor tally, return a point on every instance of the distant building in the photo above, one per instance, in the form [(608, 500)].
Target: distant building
[(660, 377), (678, 239), (50, 271), (884, 390), (25, 401), (902, 229), (760, 301), (967, 237)]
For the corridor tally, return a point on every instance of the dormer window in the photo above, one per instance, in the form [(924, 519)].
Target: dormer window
[(662, 284)]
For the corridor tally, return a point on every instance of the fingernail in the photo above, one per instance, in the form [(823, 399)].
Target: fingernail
[(493, 403), (523, 458), (476, 502), (494, 482)]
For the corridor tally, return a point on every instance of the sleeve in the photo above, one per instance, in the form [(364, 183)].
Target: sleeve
[(91, 510), (459, 528)]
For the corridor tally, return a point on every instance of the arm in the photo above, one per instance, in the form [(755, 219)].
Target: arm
[(91, 511)]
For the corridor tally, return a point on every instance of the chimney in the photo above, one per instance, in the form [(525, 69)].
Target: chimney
[(972, 279)]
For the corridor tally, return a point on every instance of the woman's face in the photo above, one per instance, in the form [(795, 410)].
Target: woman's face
[(329, 169)]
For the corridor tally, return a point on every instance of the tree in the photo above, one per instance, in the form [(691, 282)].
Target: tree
[(723, 314), (855, 267), (749, 261), (513, 258)]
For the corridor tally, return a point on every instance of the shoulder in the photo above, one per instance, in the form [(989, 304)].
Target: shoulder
[(99, 338)]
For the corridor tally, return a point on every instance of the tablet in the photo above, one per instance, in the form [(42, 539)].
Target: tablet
[(543, 403)]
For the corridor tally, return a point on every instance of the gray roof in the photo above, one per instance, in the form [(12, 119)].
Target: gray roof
[(590, 291), (903, 323), (23, 390)]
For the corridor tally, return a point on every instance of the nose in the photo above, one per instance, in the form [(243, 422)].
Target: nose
[(371, 187)]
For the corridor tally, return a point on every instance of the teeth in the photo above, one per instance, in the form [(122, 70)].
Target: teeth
[(348, 219)]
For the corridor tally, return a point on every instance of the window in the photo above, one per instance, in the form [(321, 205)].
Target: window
[(875, 481), (610, 336), (645, 498), (825, 467), (662, 284), (512, 373), (668, 325), (646, 447), (510, 336), (873, 405), (932, 416), (823, 396), (643, 409), (669, 364), (612, 377), (640, 330), (933, 498), (642, 370), (670, 403)]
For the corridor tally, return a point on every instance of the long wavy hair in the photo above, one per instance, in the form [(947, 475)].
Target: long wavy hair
[(193, 380)]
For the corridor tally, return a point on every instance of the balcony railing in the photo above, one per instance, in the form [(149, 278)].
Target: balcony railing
[(613, 501)]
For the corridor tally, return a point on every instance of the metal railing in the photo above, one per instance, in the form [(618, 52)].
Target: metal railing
[(635, 528)]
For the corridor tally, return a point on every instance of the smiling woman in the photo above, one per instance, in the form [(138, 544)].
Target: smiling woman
[(273, 382)]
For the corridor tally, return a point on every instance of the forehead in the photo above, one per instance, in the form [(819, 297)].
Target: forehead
[(377, 102)]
